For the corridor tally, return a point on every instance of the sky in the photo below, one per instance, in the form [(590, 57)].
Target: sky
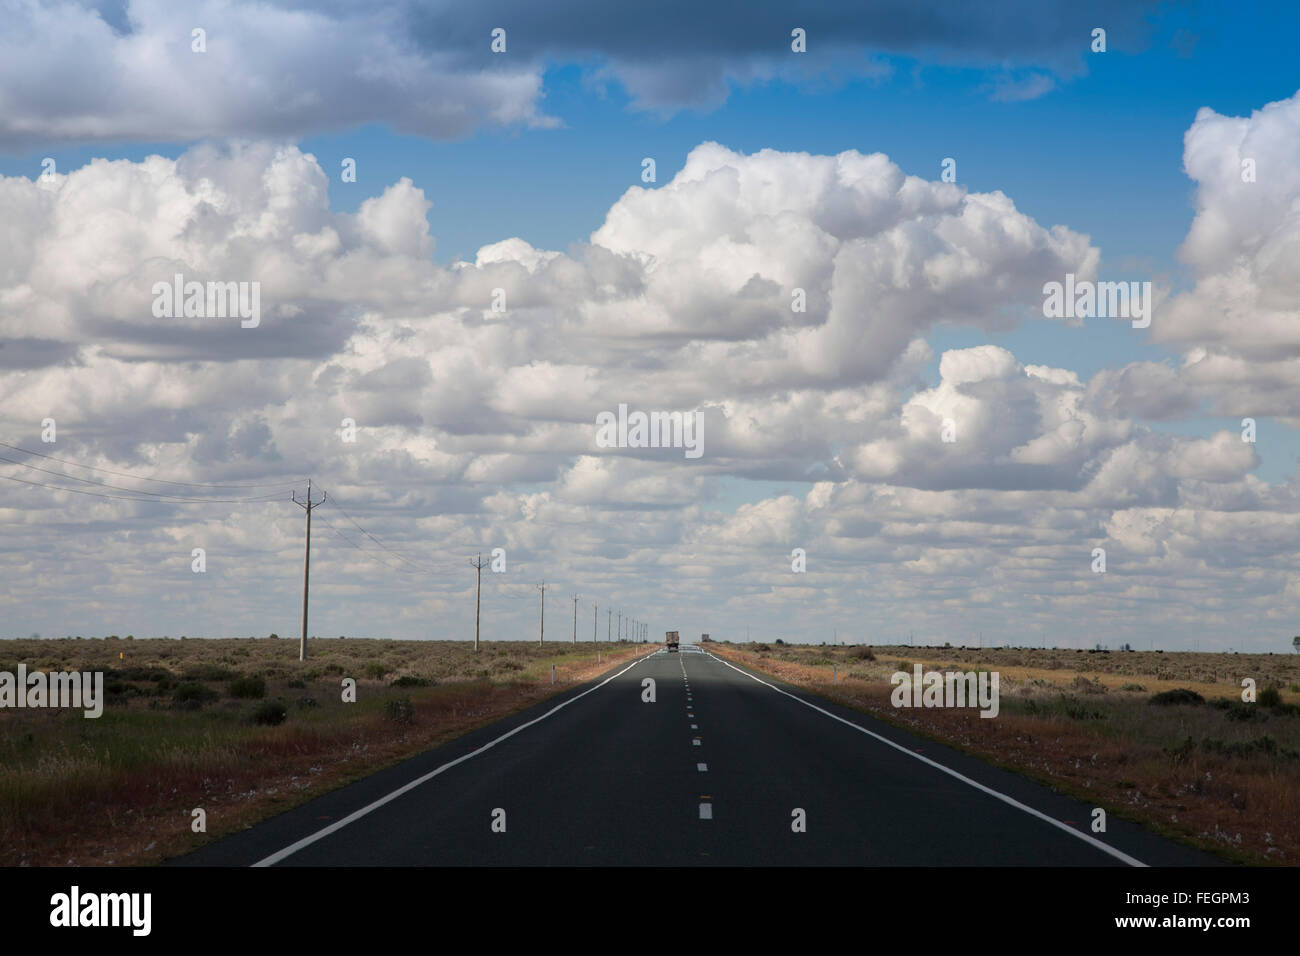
[(919, 453)]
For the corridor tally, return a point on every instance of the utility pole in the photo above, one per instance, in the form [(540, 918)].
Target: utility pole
[(541, 631), (620, 625), (478, 591), (575, 619), (594, 607), (609, 616), (307, 506)]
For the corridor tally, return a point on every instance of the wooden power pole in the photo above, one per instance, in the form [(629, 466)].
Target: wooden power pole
[(575, 619), (478, 592), (541, 631), (594, 609), (307, 506)]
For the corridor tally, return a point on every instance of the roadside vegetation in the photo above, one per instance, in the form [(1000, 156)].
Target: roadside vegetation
[(1163, 739), (240, 728)]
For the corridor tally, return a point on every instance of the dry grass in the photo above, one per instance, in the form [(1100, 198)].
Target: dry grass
[(119, 789), (1222, 775)]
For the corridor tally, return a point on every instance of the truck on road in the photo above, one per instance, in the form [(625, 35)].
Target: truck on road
[(671, 640)]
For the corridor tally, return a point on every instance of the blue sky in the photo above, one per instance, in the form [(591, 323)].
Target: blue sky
[(1099, 151)]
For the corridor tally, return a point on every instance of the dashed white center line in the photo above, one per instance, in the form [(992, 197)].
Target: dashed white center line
[(702, 767), (706, 811), (695, 726), (695, 742)]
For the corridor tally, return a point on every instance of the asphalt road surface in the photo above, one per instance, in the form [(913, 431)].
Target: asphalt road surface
[(714, 771)]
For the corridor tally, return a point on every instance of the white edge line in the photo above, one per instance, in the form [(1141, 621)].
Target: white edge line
[(1118, 854), (292, 848)]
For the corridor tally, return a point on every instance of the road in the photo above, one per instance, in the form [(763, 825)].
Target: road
[(711, 772)]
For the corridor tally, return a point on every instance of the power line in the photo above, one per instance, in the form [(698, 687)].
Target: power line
[(97, 494), (369, 551), (399, 554), (140, 494), (127, 474), (396, 554), (134, 491)]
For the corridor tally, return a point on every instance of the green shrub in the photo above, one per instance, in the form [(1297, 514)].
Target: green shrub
[(306, 703), (208, 672), (139, 673), (1240, 710), (248, 688), (192, 692), (1085, 686), (1270, 697), (1265, 746), (400, 711), (270, 713), (862, 653), (410, 680), (116, 692), (1179, 695), (1075, 709), (375, 670)]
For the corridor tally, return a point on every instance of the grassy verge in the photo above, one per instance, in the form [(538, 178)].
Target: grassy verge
[(1219, 773), (241, 729)]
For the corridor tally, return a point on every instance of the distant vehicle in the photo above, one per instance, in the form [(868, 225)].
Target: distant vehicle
[(672, 640)]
